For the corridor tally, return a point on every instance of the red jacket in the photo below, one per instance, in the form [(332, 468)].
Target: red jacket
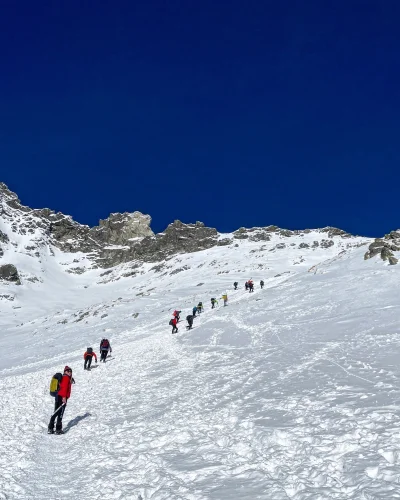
[(92, 354), (174, 321), (65, 387)]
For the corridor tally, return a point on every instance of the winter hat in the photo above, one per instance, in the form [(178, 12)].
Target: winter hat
[(67, 368)]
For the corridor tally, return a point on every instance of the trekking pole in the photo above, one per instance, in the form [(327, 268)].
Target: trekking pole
[(58, 409)]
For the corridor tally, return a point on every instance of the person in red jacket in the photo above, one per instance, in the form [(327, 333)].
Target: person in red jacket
[(62, 397), (173, 323), (88, 358)]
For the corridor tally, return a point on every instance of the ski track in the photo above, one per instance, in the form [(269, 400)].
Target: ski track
[(291, 392)]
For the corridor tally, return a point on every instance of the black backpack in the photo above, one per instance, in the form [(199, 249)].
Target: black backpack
[(170, 322)]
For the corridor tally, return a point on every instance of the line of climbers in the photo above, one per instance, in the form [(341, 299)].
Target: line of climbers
[(249, 285), (60, 385)]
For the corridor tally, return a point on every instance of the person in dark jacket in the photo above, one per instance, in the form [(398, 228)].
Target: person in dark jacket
[(61, 399), (105, 346), (88, 358), (189, 319), (235, 285), (194, 311), (262, 284), (246, 285), (213, 302)]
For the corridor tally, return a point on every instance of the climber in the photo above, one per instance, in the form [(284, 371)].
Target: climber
[(213, 302), (176, 315), (105, 346), (236, 285), (88, 358), (189, 319), (262, 284), (173, 322)]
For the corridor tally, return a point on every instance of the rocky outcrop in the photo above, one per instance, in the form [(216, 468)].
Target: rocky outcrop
[(177, 238), (9, 273), (385, 247), (119, 229)]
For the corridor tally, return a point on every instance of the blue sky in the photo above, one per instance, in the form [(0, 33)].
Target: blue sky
[(233, 113)]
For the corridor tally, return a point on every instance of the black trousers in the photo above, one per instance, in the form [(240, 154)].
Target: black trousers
[(59, 415), (190, 324), (174, 329), (88, 362), (104, 355)]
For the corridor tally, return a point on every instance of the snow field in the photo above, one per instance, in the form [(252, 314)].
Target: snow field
[(290, 392)]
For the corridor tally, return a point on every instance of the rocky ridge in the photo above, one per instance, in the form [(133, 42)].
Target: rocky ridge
[(128, 238)]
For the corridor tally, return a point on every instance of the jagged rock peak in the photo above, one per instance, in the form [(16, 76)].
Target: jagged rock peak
[(119, 228)]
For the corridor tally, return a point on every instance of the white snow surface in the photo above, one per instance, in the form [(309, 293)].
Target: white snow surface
[(290, 392)]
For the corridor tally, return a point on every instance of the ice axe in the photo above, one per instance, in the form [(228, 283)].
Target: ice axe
[(58, 409)]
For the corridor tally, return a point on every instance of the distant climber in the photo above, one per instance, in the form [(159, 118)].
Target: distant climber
[(194, 311), (236, 285), (62, 394), (213, 302), (176, 315), (200, 307), (225, 299), (251, 286), (173, 322), (88, 358), (105, 346), (262, 284), (189, 319), (246, 285)]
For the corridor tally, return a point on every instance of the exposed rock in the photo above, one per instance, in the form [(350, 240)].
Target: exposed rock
[(304, 245), (334, 231), (315, 244), (179, 270), (7, 296), (327, 243), (3, 237), (224, 242), (76, 270), (393, 260), (9, 273), (386, 253), (241, 234), (118, 228)]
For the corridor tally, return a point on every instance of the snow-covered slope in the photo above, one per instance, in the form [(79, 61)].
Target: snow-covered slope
[(290, 392)]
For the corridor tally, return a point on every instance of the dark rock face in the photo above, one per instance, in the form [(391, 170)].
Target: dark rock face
[(385, 247), (327, 243), (9, 273)]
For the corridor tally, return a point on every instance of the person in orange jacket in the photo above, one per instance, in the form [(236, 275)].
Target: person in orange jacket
[(62, 397), (88, 358)]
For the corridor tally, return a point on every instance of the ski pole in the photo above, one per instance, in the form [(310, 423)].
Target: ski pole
[(58, 409)]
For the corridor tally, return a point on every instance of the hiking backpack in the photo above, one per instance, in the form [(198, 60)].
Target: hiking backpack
[(105, 344), (55, 384), (171, 322)]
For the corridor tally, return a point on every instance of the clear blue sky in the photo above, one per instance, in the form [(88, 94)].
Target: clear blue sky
[(235, 113)]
